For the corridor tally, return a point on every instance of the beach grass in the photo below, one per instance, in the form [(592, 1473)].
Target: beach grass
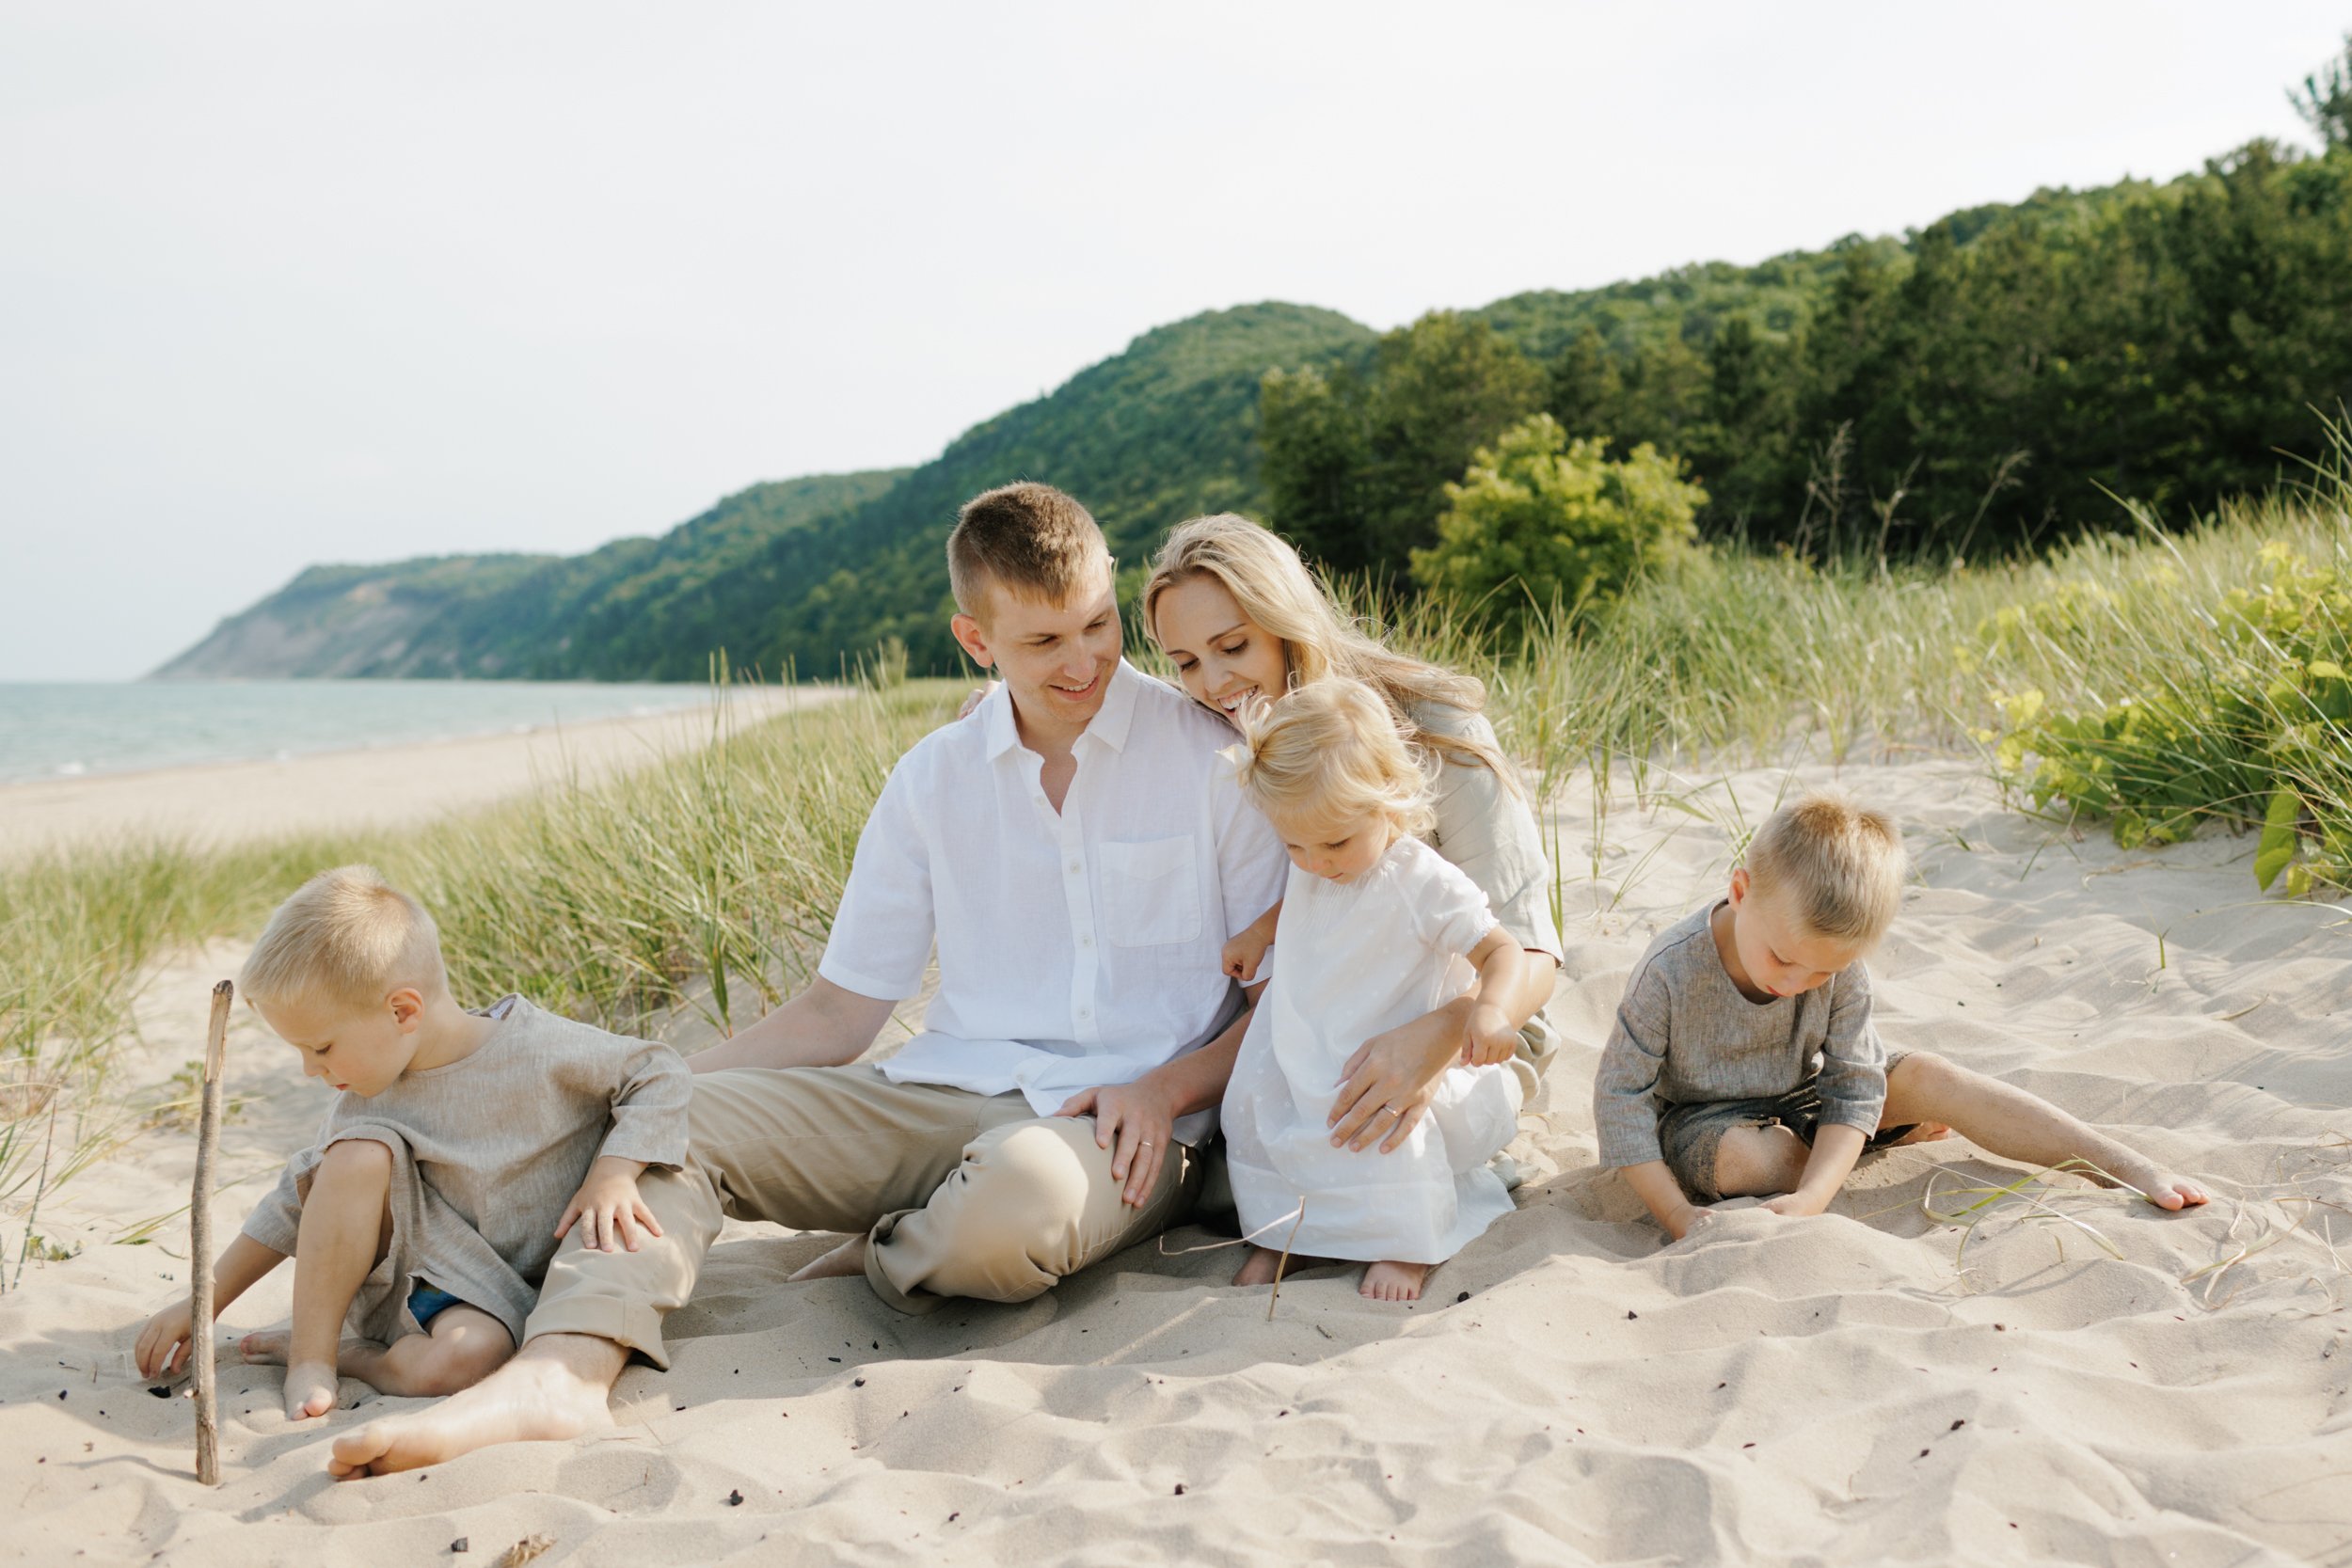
[(705, 882)]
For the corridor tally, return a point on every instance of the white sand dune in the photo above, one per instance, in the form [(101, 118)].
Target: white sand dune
[(1571, 1390)]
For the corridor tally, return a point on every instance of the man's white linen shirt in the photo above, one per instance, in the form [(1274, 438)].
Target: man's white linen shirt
[(1077, 948)]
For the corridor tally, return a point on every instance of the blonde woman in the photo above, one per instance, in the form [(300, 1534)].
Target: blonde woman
[(1371, 933), (1240, 616)]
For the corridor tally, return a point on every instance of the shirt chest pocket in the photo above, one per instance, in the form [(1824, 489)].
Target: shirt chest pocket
[(1151, 891)]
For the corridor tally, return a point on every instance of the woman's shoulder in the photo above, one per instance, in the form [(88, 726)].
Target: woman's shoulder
[(1451, 721)]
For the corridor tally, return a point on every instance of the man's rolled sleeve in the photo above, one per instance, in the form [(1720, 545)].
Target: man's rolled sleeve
[(1625, 1112), (882, 934), (1854, 1060)]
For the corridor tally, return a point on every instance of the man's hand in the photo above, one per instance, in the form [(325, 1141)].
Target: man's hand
[(1386, 1085), (607, 1207), (1139, 1118)]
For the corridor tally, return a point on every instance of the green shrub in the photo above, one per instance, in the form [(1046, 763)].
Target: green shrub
[(1542, 522)]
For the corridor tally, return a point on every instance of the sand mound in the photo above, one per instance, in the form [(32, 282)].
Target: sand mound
[(1829, 1390)]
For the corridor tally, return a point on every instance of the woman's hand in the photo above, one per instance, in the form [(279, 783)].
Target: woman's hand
[(1386, 1087), (1141, 1119), (979, 695)]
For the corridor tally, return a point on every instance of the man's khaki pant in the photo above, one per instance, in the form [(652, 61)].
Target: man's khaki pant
[(959, 1194)]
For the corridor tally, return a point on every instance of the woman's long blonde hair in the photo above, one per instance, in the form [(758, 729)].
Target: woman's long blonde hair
[(1274, 590)]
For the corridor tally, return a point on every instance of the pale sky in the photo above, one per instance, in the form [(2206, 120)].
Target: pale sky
[(286, 283)]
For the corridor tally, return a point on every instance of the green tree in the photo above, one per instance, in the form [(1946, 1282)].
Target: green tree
[(2326, 101), (1541, 520)]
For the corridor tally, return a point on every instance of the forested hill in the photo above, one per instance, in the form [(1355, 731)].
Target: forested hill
[(1992, 383), (804, 575)]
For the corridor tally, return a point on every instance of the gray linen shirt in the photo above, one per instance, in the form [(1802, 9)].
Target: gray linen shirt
[(485, 1152), (1487, 829), (1684, 1034)]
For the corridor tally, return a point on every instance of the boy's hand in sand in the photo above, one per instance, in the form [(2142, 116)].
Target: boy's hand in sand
[(1795, 1206), (1492, 1039), (164, 1343), (609, 1208), (1245, 953)]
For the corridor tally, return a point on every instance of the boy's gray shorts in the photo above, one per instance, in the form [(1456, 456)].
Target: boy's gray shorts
[(1689, 1133)]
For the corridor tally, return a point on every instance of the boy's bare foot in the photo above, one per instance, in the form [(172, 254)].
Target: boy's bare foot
[(1389, 1281), (842, 1261), (2172, 1193), (264, 1349), (533, 1398), (1924, 1132), (309, 1390)]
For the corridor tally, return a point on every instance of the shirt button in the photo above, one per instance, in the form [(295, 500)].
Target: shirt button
[(1086, 941), (1077, 866), (1086, 1012)]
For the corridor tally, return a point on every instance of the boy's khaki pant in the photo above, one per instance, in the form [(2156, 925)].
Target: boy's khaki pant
[(960, 1193)]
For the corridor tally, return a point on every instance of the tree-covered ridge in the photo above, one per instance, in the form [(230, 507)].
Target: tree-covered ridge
[(609, 614), (1993, 382)]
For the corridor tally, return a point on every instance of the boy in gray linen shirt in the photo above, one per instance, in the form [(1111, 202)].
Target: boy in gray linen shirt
[(1744, 1062), (462, 1147)]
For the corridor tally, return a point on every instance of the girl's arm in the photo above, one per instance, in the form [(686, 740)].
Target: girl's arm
[(1246, 951), (1494, 1034)]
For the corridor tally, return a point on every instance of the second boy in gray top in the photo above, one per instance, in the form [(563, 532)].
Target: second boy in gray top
[(1728, 1047)]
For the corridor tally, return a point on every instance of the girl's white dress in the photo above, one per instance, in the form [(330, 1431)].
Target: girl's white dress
[(1351, 959)]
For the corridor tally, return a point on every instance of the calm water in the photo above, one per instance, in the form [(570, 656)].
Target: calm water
[(67, 730)]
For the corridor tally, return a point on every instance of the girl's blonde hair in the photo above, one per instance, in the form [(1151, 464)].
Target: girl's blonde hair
[(1331, 751), (1273, 587)]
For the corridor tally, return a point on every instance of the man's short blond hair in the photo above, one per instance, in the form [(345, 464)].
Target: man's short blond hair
[(346, 936), (1833, 864), (1030, 538)]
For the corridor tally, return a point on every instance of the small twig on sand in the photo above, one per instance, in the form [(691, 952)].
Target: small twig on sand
[(1283, 1262), (201, 1242)]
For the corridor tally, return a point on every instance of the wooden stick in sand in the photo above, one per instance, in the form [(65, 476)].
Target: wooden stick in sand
[(201, 1242)]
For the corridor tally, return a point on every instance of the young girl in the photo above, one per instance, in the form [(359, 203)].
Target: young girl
[(1373, 931)]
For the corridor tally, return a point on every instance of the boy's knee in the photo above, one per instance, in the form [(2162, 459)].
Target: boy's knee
[(355, 1160), (1756, 1162), (1922, 1069)]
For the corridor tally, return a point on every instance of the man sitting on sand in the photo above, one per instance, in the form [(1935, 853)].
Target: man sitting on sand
[(1081, 855)]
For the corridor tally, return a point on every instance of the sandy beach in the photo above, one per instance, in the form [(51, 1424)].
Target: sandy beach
[(2100, 1384), (386, 787)]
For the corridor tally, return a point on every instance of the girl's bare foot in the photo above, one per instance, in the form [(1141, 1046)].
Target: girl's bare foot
[(1260, 1266), (309, 1390), (842, 1261), (1389, 1281)]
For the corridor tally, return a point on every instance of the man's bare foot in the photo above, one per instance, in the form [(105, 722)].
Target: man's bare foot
[(1389, 1281), (1924, 1133), (1260, 1266), (309, 1390), (842, 1261), (533, 1398)]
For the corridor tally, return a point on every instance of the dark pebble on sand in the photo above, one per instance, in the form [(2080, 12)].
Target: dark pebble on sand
[(1961, 1422), (1630, 1316), (463, 1544), (159, 1391), (735, 1499), (1463, 1297), (857, 1382), (1180, 1488)]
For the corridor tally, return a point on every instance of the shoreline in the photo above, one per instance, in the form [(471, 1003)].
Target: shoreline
[(394, 785)]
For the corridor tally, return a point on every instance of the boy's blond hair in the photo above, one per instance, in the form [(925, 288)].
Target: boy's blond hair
[(346, 936), (1833, 862), (1030, 538), (1332, 750)]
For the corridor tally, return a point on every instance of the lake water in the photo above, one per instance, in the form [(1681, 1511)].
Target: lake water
[(71, 730)]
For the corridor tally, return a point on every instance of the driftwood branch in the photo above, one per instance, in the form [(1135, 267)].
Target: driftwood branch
[(201, 1242)]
